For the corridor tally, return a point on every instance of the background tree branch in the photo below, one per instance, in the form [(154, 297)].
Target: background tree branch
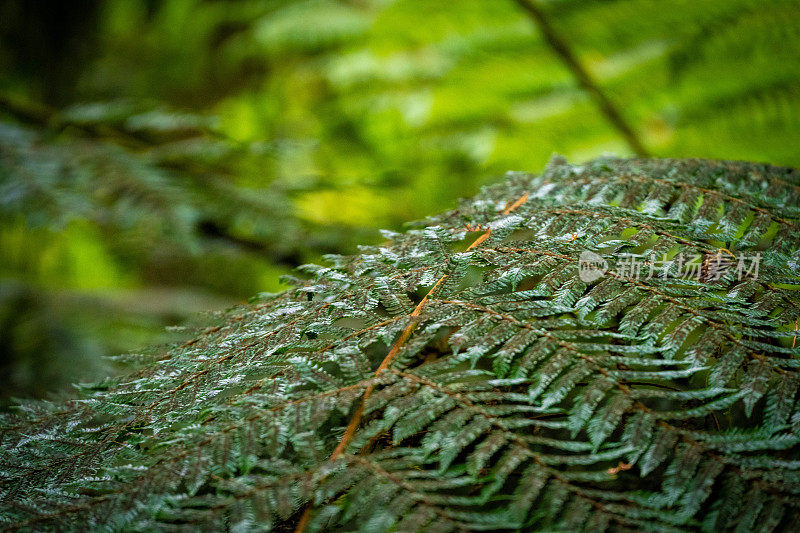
[(562, 49)]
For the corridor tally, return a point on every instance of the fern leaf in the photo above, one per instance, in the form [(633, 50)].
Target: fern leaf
[(413, 387)]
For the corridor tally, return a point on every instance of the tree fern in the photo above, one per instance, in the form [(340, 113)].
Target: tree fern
[(461, 376)]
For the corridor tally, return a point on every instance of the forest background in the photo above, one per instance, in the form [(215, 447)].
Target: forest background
[(161, 158)]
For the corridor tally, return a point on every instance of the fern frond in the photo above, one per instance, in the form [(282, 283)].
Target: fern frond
[(455, 379)]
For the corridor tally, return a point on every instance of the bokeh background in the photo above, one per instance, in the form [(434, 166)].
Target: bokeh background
[(159, 158)]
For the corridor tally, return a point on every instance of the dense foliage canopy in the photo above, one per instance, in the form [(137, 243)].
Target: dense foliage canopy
[(148, 145), (464, 376)]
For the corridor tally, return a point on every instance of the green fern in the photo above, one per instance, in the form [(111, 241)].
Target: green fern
[(463, 377)]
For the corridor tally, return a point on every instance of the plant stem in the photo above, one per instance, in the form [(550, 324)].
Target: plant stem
[(561, 47)]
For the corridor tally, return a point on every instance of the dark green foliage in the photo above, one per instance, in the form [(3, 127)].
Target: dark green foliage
[(463, 377), (189, 137), (143, 176)]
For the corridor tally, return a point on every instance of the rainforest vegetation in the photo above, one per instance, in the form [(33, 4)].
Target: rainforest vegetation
[(159, 158), (267, 265)]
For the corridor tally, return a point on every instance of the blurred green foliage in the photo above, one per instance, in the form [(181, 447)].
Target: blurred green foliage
[(159, 157)]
